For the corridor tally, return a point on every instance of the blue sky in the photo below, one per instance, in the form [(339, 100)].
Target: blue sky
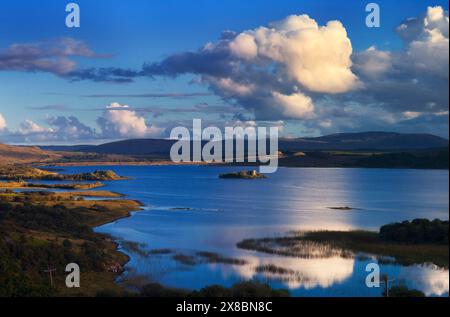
[(130, 34)]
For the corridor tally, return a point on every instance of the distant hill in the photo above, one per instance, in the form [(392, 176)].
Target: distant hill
[(10, 154), (343, 141), (366, 141), (366, 149), (125, 147)]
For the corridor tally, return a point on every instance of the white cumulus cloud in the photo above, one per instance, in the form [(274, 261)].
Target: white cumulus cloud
[(121, 121), (244, 45), (2, 123), (296, 105), (30, 127), (317, 57), (275, 71)]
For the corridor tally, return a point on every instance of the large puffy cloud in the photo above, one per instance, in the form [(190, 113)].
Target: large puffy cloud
[(121, 121), (415, 79), (435, 19), (427, 42), (317, 58), (272, 71), (296, 69)]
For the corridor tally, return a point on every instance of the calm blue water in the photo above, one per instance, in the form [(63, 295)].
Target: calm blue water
[(189, 209)]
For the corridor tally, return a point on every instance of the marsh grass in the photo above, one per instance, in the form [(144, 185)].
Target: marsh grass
[(212, 257), (202, 257), (295, 246), (160, 251), (185, 259), (273, 269), (135, 247), (323, 244)]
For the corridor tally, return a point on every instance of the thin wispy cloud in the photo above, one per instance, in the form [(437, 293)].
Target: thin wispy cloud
[(203, 108), (51, 107), (53, 56), (175, 95)]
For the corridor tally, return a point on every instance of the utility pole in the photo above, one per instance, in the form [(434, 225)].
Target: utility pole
[(386, 281), (50, 272)]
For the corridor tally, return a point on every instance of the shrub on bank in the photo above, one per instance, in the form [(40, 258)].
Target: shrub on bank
[(416, 231), (244, 289)]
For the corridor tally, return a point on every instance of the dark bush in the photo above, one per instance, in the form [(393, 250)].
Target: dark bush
[(243, 289), (403, 291), (157, 290), (416, 231)]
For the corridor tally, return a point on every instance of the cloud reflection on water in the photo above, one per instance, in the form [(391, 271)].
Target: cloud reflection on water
[(309, 273)]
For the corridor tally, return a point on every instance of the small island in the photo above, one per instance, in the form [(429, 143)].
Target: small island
[(343, 208), (244, 175)]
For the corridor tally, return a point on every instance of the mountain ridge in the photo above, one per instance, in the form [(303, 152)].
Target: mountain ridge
[(372, 140)]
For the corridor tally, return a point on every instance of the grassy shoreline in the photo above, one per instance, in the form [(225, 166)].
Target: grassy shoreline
[(349, 244), (22, 184), (19, 173)]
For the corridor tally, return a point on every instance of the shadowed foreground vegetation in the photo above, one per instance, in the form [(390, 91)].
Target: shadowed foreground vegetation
[(243, 289), (42, 230), (429, 160), (403, 291)]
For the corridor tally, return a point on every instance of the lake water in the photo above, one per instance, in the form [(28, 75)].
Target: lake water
[(188, 209)]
